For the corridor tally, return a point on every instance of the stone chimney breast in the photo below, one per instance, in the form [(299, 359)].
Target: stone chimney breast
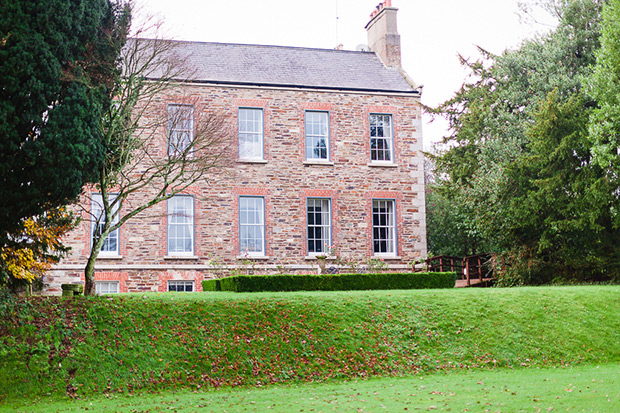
[(383, 37)]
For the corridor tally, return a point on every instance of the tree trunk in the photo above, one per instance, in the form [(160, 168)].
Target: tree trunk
[(89, 274), (89, 270)]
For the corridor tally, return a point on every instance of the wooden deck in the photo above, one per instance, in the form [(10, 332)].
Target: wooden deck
[(486, 282)]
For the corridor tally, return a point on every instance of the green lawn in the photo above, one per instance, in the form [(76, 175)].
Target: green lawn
[(117, 345), (589, 388)]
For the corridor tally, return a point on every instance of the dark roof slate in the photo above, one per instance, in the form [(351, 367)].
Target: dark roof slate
[(289, 66)]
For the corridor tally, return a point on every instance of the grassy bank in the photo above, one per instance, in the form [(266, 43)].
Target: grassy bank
[(123, 344), (585, 387)]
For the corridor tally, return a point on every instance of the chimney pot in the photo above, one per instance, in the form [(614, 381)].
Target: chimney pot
[(383, 37)]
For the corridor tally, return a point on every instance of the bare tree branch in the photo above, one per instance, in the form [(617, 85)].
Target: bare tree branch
[(152, 151)]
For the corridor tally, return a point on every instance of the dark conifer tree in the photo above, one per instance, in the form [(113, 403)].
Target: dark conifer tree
[(58, 66)]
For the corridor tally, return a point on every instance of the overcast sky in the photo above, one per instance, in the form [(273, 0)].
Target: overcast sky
[(433, 32)]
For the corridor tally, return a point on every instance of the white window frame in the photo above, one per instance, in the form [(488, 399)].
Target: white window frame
[(103, 287), (312, 225), (383, 137), (247, 218), (180, 128), (384, 231), (252, 129), (314, 134), (184, 283), (188, 224), (97, 212)]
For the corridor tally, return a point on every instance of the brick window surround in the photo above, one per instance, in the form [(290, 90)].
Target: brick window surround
[(384, 227), (397, 197), (111, 246), (194, 276), (333, 196), (237, 193), (107, 287), (181, 285), (381, 138), (317, 137), (180, 225), (193, 192), (251, 132), (120, 277), (252, 225), (332, 131), (393, 112), (180, 127), (319, 225), (258, 104)]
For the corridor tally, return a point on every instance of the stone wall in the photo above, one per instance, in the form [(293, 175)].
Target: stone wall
[(285, 179)]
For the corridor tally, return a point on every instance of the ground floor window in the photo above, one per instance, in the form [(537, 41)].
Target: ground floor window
[(181, 285), (252, 225), (181, 225), (383, 227), (107, 287), (319, 225)]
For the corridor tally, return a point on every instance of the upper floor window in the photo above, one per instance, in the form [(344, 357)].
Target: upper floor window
[(252, 225), (317, 135), (111, 244), (381, 138), (180, 128), (251, 133), (181, 225), (383, 227), (319, 225)]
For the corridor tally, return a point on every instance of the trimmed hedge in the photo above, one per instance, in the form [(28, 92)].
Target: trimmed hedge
[(331, 282)]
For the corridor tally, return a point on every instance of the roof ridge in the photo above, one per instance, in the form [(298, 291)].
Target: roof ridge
[(258, 45)]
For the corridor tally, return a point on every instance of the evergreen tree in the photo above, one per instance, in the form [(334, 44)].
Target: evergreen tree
[(605, 120), (559, 225), (58, 65)]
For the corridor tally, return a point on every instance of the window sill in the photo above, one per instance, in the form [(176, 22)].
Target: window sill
[(180, 257), (383, 165), (253, 257), (109, 257), (318, 162), (260, 161), (387, 257), (314, 257)]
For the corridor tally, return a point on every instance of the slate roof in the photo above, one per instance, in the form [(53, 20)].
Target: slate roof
[(280, 66)]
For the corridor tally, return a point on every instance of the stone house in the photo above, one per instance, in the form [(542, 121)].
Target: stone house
[(328, 152)]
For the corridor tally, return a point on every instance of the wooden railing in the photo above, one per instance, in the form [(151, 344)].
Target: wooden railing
[(478, 267), (443, 263), (474, 267)]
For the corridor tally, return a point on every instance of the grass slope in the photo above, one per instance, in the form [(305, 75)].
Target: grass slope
[(121, 344), (590, 388)]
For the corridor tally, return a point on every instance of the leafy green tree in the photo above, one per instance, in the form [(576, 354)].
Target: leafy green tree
[(491, 117), (58, 65)]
